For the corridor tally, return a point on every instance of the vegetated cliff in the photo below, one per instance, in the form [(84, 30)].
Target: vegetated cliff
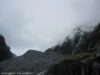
[(83, 62)]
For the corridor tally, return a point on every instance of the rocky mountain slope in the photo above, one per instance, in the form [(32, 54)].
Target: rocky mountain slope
[(84, 62), (32, 61), (74, 57)]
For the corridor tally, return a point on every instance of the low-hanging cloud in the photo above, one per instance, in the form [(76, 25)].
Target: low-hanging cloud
[(40, 24)]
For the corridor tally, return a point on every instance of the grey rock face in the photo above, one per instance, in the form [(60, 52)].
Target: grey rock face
[(32, 61)]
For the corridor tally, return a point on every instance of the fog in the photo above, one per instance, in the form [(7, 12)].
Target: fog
[(40, 24)]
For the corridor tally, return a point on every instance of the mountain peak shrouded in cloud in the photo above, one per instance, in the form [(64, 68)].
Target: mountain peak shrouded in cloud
[(40, 24)]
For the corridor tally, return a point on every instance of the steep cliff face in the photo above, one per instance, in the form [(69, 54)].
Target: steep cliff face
[(81, 41), (84, 62), (80, 64), (5, 52)]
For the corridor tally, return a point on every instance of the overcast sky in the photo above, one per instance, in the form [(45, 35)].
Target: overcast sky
[(40, 24)]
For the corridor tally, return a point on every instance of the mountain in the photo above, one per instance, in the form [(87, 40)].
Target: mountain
[(32, 61), (5, 52), (84, 62), (75, 56), (81, 41)]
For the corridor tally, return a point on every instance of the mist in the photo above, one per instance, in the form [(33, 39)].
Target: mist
[(41, 24)]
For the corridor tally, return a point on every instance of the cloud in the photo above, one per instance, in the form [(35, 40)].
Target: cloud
[(40, 24)]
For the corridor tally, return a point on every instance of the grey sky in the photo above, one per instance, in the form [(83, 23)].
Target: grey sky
[(40, 24)]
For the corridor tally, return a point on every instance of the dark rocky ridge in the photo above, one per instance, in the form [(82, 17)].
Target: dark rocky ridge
[(84, 62), (5, 52), (82, 41)]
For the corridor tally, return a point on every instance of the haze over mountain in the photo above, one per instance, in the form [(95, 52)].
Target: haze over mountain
[(41, 24), (76, 55)]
